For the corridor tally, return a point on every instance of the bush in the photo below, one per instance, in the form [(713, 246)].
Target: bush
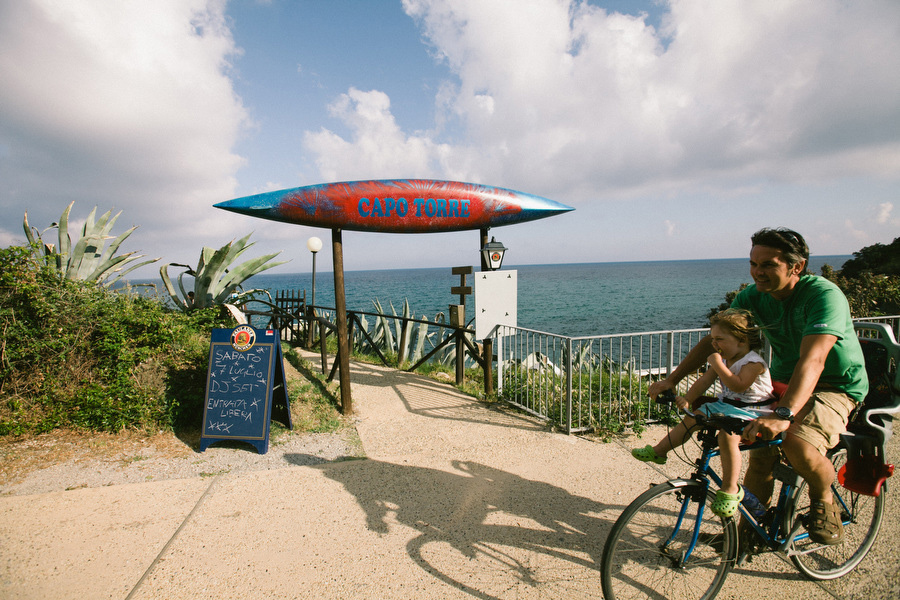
[(79, 355), (869, 294), (877, 259)]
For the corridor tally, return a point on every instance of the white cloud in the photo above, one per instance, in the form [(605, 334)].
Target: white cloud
[(379, 149), (124, 105), (855, 232), (884, 212), (670, 227), (552, 93)]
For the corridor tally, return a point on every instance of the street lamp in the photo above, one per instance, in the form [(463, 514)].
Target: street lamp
[(314, 244), (493, 253)]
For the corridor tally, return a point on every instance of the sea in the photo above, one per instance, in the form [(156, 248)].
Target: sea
[(566, 299)]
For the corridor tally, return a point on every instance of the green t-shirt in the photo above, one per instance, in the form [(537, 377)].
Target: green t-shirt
[(816, 306)]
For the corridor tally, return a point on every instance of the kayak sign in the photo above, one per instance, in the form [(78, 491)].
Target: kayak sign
[(397, 206)]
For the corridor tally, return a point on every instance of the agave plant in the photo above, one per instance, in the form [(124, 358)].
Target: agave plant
[(216, 280), (87, 260)]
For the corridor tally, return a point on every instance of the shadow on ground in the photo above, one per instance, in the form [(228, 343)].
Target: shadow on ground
[(486, 531)]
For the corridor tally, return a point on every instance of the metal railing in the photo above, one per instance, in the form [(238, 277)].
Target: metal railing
[(594, 382), (577, 383), (408, 341)]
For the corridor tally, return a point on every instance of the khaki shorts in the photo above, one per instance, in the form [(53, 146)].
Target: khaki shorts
[(825, 419), (819, 423)]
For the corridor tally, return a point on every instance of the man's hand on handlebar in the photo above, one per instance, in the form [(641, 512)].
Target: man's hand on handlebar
[(767, 428), (667, 396), (658, 387)]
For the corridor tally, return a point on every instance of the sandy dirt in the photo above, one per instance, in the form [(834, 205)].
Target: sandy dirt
[(455, 499)]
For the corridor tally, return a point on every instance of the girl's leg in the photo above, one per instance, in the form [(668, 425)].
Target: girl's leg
[(731, 494), (731, 461), (675, 438)]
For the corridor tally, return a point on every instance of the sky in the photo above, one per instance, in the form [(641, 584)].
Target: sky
[(674, 128)]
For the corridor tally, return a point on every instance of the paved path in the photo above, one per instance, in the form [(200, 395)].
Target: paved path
[(456, 500)]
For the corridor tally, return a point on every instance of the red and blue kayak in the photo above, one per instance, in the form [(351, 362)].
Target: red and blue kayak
[(397, 206)]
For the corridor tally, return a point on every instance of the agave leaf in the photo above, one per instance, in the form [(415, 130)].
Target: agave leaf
[(30, 232), (237, 313), (65, 242), (84, 245), (404, 326), (91, 239), (421, 336), (131, 268), (207, 277), (167, 282), (104, 264), (218, 264), (184, 293), (89, 222), (244, 271), (385, 326)]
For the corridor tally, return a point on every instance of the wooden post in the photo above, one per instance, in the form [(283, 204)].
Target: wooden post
[(323, 350), (458, 322), (483, 233), (404, 323), (340, 301), (488, 355)]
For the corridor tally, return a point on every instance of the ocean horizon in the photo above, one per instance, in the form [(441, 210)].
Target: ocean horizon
[(577, 299)]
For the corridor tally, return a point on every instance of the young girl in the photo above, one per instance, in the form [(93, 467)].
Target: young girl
[(747, 385)]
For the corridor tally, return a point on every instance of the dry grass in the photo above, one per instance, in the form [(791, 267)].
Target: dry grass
[(21, 455)]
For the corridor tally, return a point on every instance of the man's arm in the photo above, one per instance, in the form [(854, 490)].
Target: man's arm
[(695, 359), (814, 350)]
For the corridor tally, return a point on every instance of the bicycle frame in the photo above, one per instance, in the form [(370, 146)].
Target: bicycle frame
[(705, 474)]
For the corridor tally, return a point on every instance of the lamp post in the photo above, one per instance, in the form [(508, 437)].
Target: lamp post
[(313, 244), (493, 253)]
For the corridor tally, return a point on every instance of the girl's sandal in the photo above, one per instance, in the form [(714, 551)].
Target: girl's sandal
[(646, 454), (726, 505)]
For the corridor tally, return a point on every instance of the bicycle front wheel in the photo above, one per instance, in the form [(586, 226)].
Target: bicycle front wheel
[(861, 516), (653, 552)]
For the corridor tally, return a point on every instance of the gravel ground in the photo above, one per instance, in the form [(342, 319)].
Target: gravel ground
[(68, 460)]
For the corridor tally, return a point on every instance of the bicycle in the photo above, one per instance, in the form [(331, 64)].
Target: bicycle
[(669, 544)]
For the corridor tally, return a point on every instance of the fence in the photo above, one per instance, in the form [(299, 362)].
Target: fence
[(394, 339), (589, 383), (577, 383)]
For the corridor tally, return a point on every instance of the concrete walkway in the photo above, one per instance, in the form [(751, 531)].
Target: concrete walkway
[(456, 500)]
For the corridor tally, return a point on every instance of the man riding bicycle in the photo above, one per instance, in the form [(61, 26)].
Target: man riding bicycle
[(806, 320)]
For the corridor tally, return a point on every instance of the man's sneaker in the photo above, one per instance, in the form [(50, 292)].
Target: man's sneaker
[(825, 523), (646, 454)]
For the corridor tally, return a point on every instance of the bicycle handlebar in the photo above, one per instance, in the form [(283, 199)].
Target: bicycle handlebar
[(713, 421)]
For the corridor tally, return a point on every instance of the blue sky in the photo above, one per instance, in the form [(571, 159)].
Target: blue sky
[(675, 129)]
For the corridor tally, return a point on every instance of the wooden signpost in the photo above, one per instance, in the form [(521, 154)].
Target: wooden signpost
[(245, 387)]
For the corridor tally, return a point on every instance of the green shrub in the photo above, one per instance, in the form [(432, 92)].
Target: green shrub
[(75, 354)]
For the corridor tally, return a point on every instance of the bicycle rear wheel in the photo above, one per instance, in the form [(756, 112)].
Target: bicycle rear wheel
[(644, 555), (861, 516)]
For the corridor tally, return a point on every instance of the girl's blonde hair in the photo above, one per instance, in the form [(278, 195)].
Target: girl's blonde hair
[(739, 323)]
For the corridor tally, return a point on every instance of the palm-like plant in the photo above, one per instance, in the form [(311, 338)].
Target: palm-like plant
[(87, 260), (215, 279)]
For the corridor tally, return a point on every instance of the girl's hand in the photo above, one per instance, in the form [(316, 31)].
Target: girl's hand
[(716, 361), (681, 402)]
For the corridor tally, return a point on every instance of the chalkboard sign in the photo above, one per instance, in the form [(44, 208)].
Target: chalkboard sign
[(245, 387)]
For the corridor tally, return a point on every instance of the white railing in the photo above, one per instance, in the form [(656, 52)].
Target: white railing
[(593, 382)]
